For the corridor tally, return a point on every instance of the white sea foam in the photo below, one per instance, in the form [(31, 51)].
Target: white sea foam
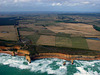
[(82, 71), (41, 66), (89, 65), (48, 65)]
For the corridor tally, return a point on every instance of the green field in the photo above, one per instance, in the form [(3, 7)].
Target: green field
[(25, 29), (79, 42), (34, 38), (64, 40), (66, 50), (46, 32)]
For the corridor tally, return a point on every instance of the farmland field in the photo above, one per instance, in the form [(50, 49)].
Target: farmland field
[(8, 33), (60, 30), (93, 44), (60, 34), (74, 42), (79, 42), (63, 42), (78, 29), (46, 40), (34, 38)]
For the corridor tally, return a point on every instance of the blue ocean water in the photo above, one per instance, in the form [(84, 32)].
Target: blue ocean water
[(17, 65)]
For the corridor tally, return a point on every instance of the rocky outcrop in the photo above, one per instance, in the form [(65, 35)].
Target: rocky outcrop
[(25, 52), (8, 48), (9, 52), (17, 47), (28, 58), (13, 53), (4, 48)]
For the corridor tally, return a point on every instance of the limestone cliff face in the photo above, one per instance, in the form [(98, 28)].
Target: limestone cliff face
[(13, 53), (4, 48), (17, 47), (28, 59), (0, 49), (64, 56), (55, 55), (26, 52)]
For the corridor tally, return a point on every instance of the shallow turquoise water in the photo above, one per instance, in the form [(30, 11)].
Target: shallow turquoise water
[(17, 65)]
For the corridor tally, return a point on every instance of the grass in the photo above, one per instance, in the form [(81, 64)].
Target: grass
[(44, 24), (46, 40), (66, 50), (25, 29), (63, 42), (79, 42), (61, 34), (5, 42), (45, 31), (67, 21), (34, 38), (10, 33)]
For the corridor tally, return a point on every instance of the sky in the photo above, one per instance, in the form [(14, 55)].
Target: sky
[(50, 5)]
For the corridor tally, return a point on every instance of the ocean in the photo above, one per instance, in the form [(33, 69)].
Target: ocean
[(17, 65)]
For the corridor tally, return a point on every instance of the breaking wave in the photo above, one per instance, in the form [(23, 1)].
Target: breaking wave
[(52, 66)]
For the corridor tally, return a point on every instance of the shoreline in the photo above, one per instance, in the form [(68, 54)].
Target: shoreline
[(11, 53), (55, 55), (65, 57)]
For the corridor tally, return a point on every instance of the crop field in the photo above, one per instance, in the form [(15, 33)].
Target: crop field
[(32, 32), (79, 42), (60, 30), (25, 29), (46, 40), (64, 33), (61, 35), (93, 44), (26, 33), (63, 42), (73, 42), (34, 38), (8, 33), (78, 29)]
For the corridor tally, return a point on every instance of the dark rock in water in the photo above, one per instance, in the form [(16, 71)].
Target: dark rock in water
[(25, 63), (72, 62), (64, 63)]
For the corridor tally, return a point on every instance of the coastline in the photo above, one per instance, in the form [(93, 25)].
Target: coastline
[(11, 53), (66, 57), (56, 55)]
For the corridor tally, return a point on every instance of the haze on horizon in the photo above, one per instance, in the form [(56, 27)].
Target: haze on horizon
[(50, 5)]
